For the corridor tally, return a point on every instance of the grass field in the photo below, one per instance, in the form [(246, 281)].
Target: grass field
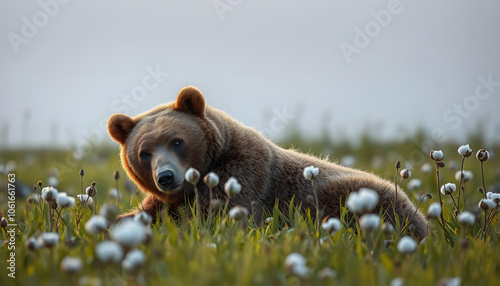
[(233, 252)]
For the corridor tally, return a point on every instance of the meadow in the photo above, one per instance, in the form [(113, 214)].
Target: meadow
[(287, 248)]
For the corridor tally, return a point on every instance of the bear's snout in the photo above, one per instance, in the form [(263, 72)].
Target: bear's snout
[(166, 180)]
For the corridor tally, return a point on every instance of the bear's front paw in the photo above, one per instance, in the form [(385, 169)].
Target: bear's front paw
[(127, 215)]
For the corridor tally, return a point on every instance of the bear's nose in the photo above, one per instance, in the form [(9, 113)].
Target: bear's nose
[(165, 178)]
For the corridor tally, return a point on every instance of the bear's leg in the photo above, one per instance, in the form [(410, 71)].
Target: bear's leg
[(150, 205)]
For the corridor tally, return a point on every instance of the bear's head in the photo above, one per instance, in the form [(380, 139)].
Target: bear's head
[(158, 146)]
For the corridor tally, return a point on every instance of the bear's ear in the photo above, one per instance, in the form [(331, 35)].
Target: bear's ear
[(190, 100), (119, 127)]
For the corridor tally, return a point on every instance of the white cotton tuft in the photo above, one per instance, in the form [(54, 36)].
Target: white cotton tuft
[(109, 252), (487, 204), (468, 175), (211, 179), (49, 239), (426, 168), (348, 161), (134, 260), (232, 187), (33, 244), (238, 213), (49, 194), (53, 181), (405, 173), (65, 201), (407, 245), (96, 224), (448, 189), (311, 172), (129, 233), (397, 282), (466, 218), (369, 222), (71, 265), (332, 225), (296, 265), (363, 201), (464, 150), (192, 176), (437, 155), (414, 184), (144, 218), (482, 155), (434, 210), (496, 198), (85, 199)]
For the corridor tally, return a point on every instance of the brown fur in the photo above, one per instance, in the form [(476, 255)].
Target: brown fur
[(218, 143)]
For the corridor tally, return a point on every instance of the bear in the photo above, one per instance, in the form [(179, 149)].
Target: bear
[(157, 147)]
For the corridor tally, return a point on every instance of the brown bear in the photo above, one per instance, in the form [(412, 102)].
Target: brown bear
[(158, 147)]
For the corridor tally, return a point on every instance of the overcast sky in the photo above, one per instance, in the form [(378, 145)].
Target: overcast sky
[(389, 66)]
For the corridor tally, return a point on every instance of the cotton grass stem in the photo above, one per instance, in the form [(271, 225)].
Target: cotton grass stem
[(416, 210), (192, 176), (460, 184), (310, 173), (211, 180), (398, 165), (482, 178), (439, 193), (116, 176), (316, 205)]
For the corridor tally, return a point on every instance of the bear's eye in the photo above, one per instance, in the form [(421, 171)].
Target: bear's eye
[(177, 142), (144, 155)]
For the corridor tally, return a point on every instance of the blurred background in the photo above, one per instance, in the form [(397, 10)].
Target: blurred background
[(355, 80)]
